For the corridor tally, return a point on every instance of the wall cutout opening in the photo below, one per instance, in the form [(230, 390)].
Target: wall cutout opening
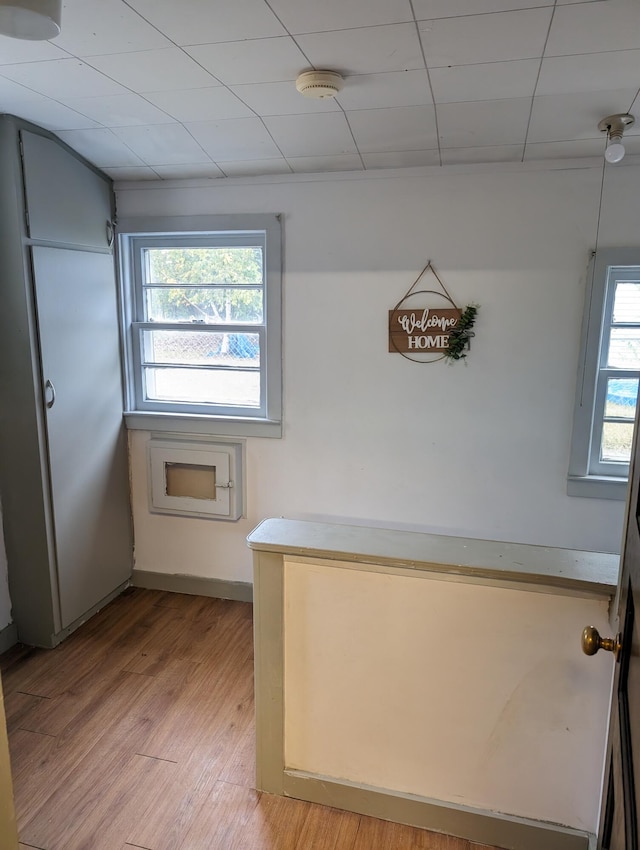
[(190, 480), (200, 479)]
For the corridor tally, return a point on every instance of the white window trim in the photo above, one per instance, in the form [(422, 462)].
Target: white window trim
[(582, 481), (269, 424)]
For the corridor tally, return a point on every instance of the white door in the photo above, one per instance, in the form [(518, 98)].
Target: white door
[(621, 799), (80, 356)]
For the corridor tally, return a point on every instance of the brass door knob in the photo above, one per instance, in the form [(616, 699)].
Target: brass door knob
[(592, 642)]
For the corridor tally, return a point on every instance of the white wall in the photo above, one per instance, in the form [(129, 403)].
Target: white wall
[(479, 450), (474, 695), (5, 601)]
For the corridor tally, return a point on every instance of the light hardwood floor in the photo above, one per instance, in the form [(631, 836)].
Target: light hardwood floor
[(137, 732)]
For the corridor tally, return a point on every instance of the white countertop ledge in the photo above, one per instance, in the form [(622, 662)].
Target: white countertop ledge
[(568, 569)]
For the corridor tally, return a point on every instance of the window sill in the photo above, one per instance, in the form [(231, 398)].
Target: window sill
[(597, 487), (195, 424)]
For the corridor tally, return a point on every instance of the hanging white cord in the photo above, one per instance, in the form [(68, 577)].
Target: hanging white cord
[(593, 266)]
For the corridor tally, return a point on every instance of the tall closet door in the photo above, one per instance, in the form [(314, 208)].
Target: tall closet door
[(76, 308)]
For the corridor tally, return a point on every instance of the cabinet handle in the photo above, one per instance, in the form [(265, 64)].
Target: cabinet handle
[(52, 399), (110, 234)]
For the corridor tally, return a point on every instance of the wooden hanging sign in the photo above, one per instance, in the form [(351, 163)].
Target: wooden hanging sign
[(424, 329), (425, 332)]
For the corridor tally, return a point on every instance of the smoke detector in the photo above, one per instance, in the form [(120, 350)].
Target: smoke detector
[(319, 83)]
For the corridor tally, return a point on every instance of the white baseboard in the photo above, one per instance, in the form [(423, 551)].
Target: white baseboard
[(477, 825), (195, 585), (8, 637)]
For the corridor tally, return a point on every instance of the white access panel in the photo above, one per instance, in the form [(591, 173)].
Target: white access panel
[(222, 463)]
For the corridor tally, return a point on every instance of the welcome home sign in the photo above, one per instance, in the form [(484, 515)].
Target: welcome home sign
[(425, 333), (421, 330)]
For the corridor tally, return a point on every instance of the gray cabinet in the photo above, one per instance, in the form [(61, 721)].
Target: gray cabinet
[(63, 456)]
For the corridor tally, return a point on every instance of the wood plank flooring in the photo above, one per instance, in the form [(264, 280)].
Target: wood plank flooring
[(138, 732)]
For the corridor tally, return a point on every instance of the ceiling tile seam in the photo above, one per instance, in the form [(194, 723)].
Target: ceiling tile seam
[(41, 61), (520, 58), (242, 117), (270, 134), (150, 23), (549, 5), (224, 173), (64, 105), (426, 67), (228, 86), (633, 101), (535, 85), (87, 61), (206, 70), (355, 143), (292, 34), (117, 139), (208, 158), (591, 52), (504, 11), (310, 65), (86, 58), (220, 84), (89, 117)]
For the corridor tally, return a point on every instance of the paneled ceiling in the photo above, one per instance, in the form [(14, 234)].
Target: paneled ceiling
[(162, 89)]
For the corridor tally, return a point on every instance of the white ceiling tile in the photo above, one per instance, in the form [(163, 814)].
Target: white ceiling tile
[(324, 134), (260, 60), (152, 70), (368, 50), (631, 145), (119, 110), (396, 129), (428, 9), (491, 81), (234, 139), (198, 22), (302, 16), (87, 31), (562, 117), (13, 94), (485, 38), (51, 115), (401, 159), (200, 104), (564, 150), (14, 50), (142, 172), (483, 122), (491, 153), (594, 27), (376, 91), (188, 172), (252, 168), (315, 164), (282, 99), (101, 147), (62, 78), (162, 144), (589, 72)]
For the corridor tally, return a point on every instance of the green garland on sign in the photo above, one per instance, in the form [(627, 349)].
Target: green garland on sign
[(460, 335)]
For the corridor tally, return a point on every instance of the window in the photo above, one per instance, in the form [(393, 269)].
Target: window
[(202, 315), (608, 378)]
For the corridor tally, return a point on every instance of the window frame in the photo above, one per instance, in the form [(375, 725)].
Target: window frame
[(134, 235), (588, 475)]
